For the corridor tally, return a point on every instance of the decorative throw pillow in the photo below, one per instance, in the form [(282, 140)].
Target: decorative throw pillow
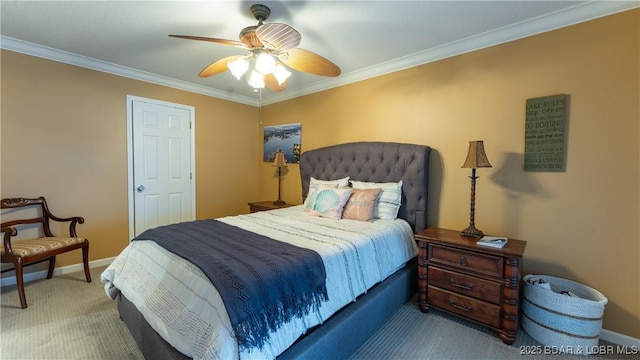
[(313, 189), (329, 201), (389, 200), (339, 183), (310, 200), (361, 204)]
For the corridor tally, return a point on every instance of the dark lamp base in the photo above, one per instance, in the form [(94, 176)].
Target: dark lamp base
[(472, 231), (279, 202)]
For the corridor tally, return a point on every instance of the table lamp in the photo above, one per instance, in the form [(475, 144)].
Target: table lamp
[(475, 158), (279, 161)]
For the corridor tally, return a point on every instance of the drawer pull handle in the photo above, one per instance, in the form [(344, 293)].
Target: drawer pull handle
[(461, 286), (467, 308), (463, 261)]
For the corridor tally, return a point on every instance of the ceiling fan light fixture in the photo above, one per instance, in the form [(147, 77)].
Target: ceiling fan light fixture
[(238, 67), (256, 80), (281, 73), (273, 51), (265, 63)]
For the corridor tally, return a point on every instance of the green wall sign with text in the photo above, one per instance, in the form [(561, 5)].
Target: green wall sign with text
[(544, 134)]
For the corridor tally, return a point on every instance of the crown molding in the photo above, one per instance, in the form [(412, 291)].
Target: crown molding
[(110, 68), (566, 17), (563, 18)]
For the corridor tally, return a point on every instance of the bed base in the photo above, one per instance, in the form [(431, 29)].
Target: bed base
[(338, 338)]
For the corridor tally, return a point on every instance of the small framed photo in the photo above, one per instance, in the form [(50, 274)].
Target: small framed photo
[(282, 137)]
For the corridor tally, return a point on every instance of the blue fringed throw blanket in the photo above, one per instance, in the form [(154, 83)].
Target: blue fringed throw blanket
[(263, 282)]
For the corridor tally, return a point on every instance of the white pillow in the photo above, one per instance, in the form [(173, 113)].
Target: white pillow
[(313, 189), (339, 183), (389, 200)]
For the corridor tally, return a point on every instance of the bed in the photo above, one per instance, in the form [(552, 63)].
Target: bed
[(349, 314)]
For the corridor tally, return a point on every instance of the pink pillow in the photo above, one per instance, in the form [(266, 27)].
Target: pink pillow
[(361, 204), (329, 201)]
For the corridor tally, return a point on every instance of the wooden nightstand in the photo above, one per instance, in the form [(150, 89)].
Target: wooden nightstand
[(265, 205), (476, 282)]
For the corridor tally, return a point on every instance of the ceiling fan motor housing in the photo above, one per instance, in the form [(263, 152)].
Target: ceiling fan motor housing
[(249, 38), (260, 12), (248, 34)]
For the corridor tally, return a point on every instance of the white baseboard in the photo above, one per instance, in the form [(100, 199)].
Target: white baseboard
[(606, 335), (620, 339), (37, 275)]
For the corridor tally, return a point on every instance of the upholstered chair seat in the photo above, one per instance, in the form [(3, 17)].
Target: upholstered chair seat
[(30, 247)]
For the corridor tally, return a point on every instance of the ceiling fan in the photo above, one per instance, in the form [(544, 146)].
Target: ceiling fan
[(271, 47)]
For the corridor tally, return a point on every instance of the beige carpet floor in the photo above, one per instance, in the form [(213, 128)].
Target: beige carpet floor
[(68, 318)]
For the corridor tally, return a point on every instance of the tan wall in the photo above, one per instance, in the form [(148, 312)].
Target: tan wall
[(64, 136), (581, 223)]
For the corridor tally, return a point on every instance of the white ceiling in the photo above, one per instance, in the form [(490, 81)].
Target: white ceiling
[(364, 38)]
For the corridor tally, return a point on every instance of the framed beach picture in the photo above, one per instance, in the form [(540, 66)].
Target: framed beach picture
[(282, 137)]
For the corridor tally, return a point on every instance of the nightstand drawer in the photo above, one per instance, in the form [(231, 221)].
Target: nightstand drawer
[(486, 290), (466, 260), (471, 308)]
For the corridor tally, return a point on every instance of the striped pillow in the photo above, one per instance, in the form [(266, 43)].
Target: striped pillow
[(389, 200)]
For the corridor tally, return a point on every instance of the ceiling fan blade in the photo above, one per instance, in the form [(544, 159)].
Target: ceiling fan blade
[(217, 66), (278, 36), (309, 62), (214, 40), (272, 83)]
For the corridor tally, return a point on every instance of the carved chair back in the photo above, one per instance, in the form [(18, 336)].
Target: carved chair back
[(43, 220)]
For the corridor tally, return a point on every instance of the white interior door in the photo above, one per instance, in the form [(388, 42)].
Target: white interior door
[(162, 186)]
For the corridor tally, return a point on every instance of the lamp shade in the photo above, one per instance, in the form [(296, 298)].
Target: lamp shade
[(279, 160), (476, 156), (256, 80), (281, 73), (238, 67), (265, 63)]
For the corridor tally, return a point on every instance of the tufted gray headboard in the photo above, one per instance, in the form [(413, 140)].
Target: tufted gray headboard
[(375, 162)]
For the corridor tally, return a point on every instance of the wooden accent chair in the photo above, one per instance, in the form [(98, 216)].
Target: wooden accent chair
[(31, 251)]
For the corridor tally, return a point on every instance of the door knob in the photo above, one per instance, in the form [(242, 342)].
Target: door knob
[(140, 188)]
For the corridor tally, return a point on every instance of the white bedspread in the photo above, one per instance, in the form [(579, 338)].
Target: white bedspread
[(180, 303)]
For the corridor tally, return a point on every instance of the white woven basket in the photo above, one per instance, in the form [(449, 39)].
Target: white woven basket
[(563, 323)]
